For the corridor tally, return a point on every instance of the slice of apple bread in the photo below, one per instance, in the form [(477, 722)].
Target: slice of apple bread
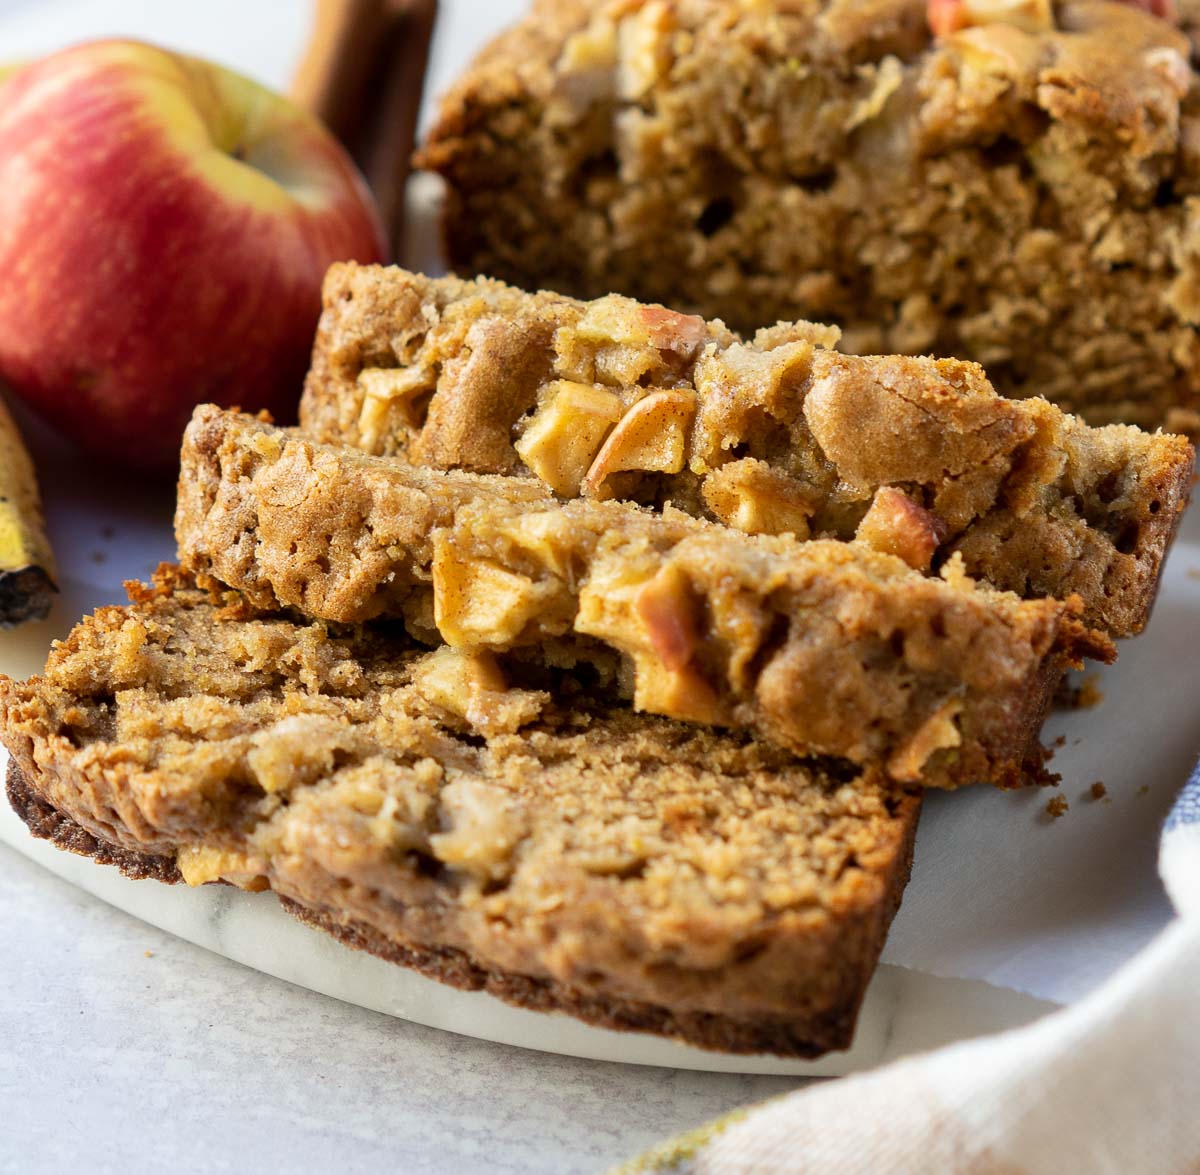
[(916, 457), (824, 647), (561, 852)]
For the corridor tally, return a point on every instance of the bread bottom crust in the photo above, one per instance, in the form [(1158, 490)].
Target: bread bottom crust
[(806, 1039), (48, 823)]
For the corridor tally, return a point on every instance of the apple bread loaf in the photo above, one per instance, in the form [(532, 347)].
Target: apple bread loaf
[(564, 854), (1018, 190), (916, 457), (824, 647)]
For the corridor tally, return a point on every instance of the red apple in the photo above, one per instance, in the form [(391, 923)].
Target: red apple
[(164, 228)]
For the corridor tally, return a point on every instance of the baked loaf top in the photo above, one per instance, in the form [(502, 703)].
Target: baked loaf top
[(1016, 191), (824, 647), (614, 856), (916, 457)]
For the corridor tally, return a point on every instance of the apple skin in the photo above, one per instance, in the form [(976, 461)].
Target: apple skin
[(165, 225)]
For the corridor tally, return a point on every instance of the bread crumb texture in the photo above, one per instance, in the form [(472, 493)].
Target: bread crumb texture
[(570, 841)]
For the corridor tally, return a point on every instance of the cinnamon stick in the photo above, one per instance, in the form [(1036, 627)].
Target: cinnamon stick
[(363, 74)]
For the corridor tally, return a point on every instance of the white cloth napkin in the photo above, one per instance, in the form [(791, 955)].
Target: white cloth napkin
[(1111, 1084)]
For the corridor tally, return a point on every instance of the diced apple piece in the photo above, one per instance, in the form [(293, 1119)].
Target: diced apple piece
[(399, 385), (896, 525), (199, 865), (620, 343), (613, 319), (564, 435), (585, 72), (938, 732), (546, 537), (485, 826), (949, 16), (477, 604), (667, 612), (471, 685), (996, 51), (389, 390), (654, 621), (396, 385), (681, 334), (651, 437), (593, 48), (644, 38), (451, 678), (750, 496), (684, 693), (622, 321)]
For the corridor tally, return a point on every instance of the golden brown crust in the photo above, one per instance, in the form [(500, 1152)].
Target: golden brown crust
[(824, 647), (624, 869), (777, 434), (47, 823), (1018, 198), (810, 1037)]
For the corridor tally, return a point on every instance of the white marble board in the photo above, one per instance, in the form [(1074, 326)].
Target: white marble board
[(1008, 912)]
